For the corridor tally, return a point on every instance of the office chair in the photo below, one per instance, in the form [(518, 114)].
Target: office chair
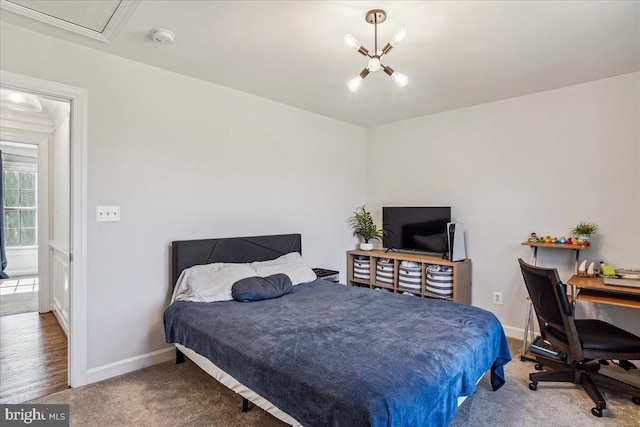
[(584, 341)]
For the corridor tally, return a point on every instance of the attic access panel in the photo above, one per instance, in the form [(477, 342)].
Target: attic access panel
[(100, 20)]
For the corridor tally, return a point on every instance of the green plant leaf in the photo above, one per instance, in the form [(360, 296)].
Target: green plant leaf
[(584, 228), (362, 224)]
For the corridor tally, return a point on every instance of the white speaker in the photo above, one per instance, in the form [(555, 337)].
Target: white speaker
[(455, 236)]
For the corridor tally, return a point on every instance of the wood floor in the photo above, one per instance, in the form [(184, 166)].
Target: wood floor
[(33, 357)]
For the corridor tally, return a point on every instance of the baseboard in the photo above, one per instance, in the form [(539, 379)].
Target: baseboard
[(513, 332), (131, 364), (21, 273), (61, 316), (62, 322)]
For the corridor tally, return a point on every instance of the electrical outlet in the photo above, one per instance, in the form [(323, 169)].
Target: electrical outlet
[(497, 297), (107, 213)]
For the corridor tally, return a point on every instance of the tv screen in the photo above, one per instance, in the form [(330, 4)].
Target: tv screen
[(421, 229)]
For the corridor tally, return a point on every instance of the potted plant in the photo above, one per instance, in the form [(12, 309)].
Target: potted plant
[(363, 227), (584, 230)]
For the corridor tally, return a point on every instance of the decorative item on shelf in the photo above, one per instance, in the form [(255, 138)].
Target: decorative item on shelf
[(362, 224), (591, 271), (534, 238), (582, 269), (583, 231), (607, 270)]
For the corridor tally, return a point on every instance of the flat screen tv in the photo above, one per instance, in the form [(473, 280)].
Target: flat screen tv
[(421, 229)]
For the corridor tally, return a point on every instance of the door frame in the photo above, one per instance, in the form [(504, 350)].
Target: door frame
[(77, 345)]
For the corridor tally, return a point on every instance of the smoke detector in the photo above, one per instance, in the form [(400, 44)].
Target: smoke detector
[(162, 36)]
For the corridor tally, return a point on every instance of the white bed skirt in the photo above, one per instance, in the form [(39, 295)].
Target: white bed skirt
[(233, 384), (244, 391)]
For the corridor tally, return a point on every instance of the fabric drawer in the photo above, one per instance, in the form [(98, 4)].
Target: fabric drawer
[(440, 281), (384, 272), (361, 269), (410, 278)]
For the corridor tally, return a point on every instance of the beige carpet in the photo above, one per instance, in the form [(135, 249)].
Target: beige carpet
[(23, 302), (183, 395)]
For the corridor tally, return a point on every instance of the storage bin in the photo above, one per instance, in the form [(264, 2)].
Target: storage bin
[(361, 268), (439, 280), (410, 278), (384, 272)]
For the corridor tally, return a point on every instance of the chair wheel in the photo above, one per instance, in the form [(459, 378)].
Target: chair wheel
[(539, 367), (596, 412), (533, 385), (636, 400)]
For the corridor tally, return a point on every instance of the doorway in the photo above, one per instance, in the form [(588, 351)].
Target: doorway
[(77, 229), (34, 138), (19, 281)]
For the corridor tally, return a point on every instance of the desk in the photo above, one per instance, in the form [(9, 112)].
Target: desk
[(593, 289)]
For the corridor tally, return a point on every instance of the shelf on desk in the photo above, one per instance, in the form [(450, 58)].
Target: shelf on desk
[(608, 297), (556, 245)]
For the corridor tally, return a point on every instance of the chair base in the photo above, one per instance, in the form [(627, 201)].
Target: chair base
[(587, 376)]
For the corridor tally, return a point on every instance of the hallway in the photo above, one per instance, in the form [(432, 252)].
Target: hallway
[(33, 357)]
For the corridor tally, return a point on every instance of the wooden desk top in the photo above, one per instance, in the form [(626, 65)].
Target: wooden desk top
[(598, 283), (593, 289)]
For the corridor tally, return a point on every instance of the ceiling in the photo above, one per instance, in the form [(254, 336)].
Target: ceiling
[(456, 53)]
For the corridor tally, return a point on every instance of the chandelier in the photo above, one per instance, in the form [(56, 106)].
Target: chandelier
[(375, 17)]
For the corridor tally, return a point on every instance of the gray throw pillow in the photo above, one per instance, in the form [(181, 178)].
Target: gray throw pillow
[(257, 288)]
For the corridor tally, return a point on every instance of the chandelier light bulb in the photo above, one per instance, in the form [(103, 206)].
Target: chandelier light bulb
[(400, 79), (398, 36), (351, 41), (374, 65), (354, 83)]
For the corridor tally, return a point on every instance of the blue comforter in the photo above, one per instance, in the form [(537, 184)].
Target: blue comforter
[(331, 355)]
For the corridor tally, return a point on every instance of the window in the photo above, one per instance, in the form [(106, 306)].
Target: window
[(20, 208)]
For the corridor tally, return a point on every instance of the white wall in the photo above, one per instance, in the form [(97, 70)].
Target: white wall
[(187, 159), (537, 163)]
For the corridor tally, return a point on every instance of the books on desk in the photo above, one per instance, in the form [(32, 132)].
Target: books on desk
[(544, 348)]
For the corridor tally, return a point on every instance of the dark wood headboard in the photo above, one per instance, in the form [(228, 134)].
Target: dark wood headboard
[(187, 253)]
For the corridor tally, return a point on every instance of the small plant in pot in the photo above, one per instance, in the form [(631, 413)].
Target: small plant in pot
[(363, 227), (584, 230)]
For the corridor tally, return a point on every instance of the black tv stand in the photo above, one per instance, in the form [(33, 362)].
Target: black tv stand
[(391, 250)]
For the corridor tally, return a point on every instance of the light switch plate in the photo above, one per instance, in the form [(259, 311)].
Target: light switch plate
[(107, 213)]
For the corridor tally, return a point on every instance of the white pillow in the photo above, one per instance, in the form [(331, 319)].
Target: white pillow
[(290, 264), (211, 282)]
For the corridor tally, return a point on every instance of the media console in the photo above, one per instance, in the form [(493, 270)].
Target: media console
[(421, 275)]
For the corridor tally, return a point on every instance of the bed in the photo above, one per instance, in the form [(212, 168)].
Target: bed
[(327, 354)]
